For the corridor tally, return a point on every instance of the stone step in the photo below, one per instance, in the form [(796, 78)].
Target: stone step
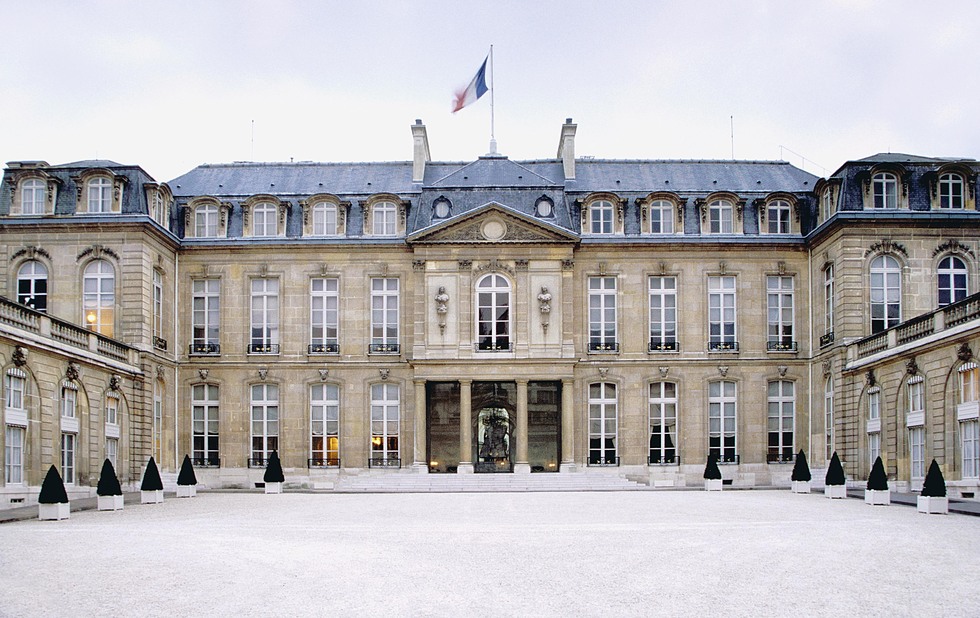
[(484, 483)]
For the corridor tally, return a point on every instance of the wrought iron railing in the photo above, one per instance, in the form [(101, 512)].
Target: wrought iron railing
[(782, 346), (204, 349), (662, 460), (211, 461), (323, 462), (384, 348), (723, 346), (160, 343), (595, 460), (324, 348), (663, 345), (489, 346), (729, 459), (257, 462), (384, 462), (780, 458), (826, 339), (603, 346), (263, 348)]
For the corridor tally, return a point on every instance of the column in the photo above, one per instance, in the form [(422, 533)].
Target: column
[(521, 466), (465, 427), (567, 426), (420, 464)]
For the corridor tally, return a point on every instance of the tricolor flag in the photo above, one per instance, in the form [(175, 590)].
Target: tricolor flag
[(474, 91)]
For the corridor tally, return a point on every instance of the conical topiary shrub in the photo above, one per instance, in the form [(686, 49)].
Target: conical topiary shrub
[(186, 479), (53, 500), (712, 475), (151, 490), (835, 485), (933, 497), (110, 493), (877, 492), (273, 476), (801, 474)]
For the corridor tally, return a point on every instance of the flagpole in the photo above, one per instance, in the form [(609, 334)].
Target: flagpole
[(493, 140)]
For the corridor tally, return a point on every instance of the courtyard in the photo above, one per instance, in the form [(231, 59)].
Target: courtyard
[(671, 553)]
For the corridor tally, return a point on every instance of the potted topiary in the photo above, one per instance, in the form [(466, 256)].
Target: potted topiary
[(712, 475), (186, 479), (52, 503), (273, 475), (877, 492), (933, 497), (110, 493), (801, 474), (835, 485), (151, 490)]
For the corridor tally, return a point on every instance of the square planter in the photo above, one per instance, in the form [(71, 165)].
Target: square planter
[(932, 504), (712, 484), (878, 497), (273, 488), (110, 503), (186, 491), (835, 491), (800, 487), (53, 512), (151, 497)]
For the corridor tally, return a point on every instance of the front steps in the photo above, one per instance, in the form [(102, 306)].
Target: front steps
[(461, 483)]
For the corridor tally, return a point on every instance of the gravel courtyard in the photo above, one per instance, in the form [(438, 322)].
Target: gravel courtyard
[(676, 553)]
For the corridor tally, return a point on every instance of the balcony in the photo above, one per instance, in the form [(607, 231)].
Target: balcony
[(663, 345), (663, 460), (384, 462), (323, 462), (204, 349), (775, 457), (827, 339), (257, 462), (604, 346), (603, 462), (731, 460), (323, 348), (723, 346), (263, 348), (782, 346), (160, 343), (921, 327), (211, 461), (384, 348), (493, 346)]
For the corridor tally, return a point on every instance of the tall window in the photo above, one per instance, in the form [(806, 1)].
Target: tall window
[(661, 217), (384, 315), (384, 423), (828, 414), (778, 217), (917, 448), (602, 424), (158, 212), (885, 190), (829, 206), (264, 218), (158, 420), (779, 299), (951, 191), (602, 314), (265, 317), (99, 195), (33, 194), (157, 304), (828, 299), (69, 401), (721, 217), (265, 422), (204, 421), (15, 414), (206, 221), (325, 425), (68, 458), (663, 313), (111, 410), (14, 388), (722, 410), (952, 280), (874, 424), (13, 455), (99, 297), (601, 217), (383, 217), (112, 451), (32, 285), (206, 311), (968, 414), (324, 219), (721, 313), (663, 423), (781, 413), (970, 437), (493, 313), (324, 304), (886, 293)]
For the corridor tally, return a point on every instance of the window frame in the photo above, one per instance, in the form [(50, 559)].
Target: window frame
[(720, 213), (324, 303), (722, 313), (723, 407), (33, 186), (781, 421), (99, 306), (207, 318), (264, 421), (36, 294), (662, 305), (206, 221), (325, 412), (953, 283), (603, 313), (99, 195), (385, 416), (206, 424), (662, 407), (264, 315), (828, 411), (970, 448), (262, 227), (884, 191), (157, 304), (885, 274), (14, 454), (69, 457), (661, 211), (384, 218), (494, 318), (385, 315), (781, 313), (321, 219), (602, 215), (779, 213), (951, 198), (603, 418), (830, 298)]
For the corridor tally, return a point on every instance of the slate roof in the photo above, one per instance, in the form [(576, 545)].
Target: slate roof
[(689, 176)]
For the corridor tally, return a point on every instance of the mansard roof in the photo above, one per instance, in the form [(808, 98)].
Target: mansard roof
[(494, 171), (689, 176)]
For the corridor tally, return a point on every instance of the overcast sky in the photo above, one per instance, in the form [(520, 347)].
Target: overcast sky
[(170, 85)]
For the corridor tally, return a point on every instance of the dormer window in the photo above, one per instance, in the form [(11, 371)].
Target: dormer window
[(99, 195), (721, 217), (384, 219), (206, 221), (324, 219), (601, 217), (778, 216), (885, 190), (951, 191), (661, 217), (264, 218), (33, 194), (544, 207), (829, 205)]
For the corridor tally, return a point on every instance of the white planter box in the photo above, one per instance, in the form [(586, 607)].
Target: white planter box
[(800, 487), (878, 497), (933, 504), (53, 512), (273, 488), (712, 484), (186, 491), (110, 503), (835, 491), (151, 497)]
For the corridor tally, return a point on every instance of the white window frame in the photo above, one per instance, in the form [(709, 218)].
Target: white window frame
[(829, 295), (722, 313), (917, 455), (69, 402), (723, 420), (603, 424), (384, 219), (828, 411), (13, 454), (885, 191), (781, 417), (603, 314), (111, 409), (325, 219), (157, 428), (721, 217), (265, 220), (661, 217), (264, 425), (970, 448), (493, 313), (780, 302), (69, 454), (264, 320), (779, 217), (32, 273), (385, 314), (15, 391), (99, 195), (602, 217), (325, 315), (205, 423), (385, 423), (874, 446), (158, 304), (99, 297), (33, 195), (206, 221), (885, 289), (953, 280), (662, 405), (829, 203), (951, 191), (112, 450), (663, 312), (325, 425), (206, 314)]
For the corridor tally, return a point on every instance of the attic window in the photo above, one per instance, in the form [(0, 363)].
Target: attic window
[(441, 208), (544, 208)]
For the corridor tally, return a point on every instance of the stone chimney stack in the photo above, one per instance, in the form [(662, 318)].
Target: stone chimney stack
[(566, 148), (421, 153)]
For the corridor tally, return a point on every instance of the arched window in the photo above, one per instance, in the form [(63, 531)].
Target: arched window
[(950, 191), (204, 417), (383, 216), (493, 313), (265, 422), (661, 217), (663, 423), (324, 219), (781, 413), (886, 293), (720, 217), (206, 221), (324, 425), (32, 285), (602, 424), (264, 218), (33, 194), (99, 195), (601, 217), (778, 217), (885, 190), (722, 417), (952, 278), (99, 297)]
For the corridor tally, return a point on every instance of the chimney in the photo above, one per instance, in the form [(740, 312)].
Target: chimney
[(566, 148), (421, 151)]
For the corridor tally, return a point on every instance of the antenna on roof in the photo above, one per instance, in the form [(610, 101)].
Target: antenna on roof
[(252, 153), (731, 120)]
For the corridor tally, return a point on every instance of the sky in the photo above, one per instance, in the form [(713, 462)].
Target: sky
[(171, 85)]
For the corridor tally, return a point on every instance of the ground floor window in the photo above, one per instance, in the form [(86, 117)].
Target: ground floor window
[(663, 423), (324, 425), (722, 421), (112, 450), (13, 455), (970, 435), (68, 457), (602, 424), (874, 446), (265, 422), (782, 405), (204, 419), (384, 423), (917, 452)]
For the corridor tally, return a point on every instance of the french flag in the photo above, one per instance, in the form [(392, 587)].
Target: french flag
[(474, 91)]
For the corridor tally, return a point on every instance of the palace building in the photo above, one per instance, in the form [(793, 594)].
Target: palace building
[(563, 315)]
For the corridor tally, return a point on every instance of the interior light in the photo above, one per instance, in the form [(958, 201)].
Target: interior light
[(90, 317)]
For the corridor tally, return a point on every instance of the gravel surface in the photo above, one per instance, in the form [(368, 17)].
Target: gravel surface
[(676, 553)]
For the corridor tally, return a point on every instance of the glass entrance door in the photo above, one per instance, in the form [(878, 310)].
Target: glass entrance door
[(494, 441)]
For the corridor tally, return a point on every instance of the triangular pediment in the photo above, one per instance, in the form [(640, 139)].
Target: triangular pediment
[(492, 223)]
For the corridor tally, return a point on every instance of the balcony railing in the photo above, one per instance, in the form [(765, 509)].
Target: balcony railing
[(257, 462), (921, 326), (780, 458), (604, 346), (323, 462), (384, 462), (663, 345), (384, 348), (324, 348), (827, 339), (731, 460), (211, 461), (595, 460), (723, 346), (490, 346), (263, 348), (160, 343), (660, 460), (204, 349), (782, 346)]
